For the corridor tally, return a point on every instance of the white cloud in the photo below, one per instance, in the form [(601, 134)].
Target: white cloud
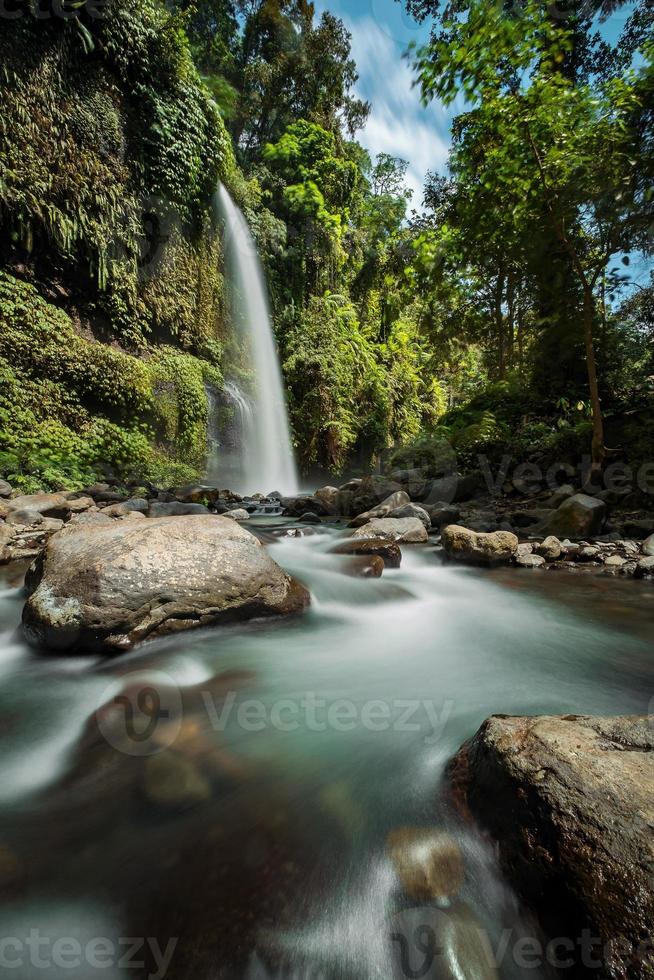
[(398, 123)]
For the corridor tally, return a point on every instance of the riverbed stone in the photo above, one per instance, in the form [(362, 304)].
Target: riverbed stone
[(569, 801), (364, 566), (388, 550), (427, 861), (405, 529), (647, 547), (579, 516), (529, 561), (237, 514), (396, 500), (549, 548), (175, 508), (58, 505), (329, 498), (133, 505), (107, 588), (477, 547), (441, 513), (412, 510), (644, 567)]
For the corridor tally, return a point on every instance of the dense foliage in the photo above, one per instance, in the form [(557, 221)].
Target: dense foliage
[(501, 312)]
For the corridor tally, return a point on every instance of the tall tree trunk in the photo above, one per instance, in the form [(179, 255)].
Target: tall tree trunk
[(597, 445)]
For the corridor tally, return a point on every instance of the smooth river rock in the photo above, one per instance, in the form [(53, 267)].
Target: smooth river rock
[(570, 802), (388, 550), (404, 529), (108, 587), (387, 506), (478, 547)]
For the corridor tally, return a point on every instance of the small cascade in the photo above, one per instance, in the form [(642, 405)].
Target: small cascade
[(265, 459)]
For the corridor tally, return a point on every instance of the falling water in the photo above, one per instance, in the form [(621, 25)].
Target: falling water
[(266, 459)]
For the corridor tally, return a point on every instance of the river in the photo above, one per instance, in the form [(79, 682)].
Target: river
[(239, 830)]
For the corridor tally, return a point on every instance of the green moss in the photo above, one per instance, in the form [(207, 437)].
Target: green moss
[(73, 409)]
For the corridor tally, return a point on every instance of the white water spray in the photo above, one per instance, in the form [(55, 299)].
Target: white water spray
[(266, 460)]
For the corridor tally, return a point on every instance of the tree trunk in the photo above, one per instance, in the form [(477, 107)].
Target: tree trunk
[(597, 445)]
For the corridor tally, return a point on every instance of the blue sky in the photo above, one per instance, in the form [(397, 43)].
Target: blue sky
[(381, 32)]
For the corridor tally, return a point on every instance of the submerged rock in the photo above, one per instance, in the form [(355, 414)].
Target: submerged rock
[(569, 801), (365, 566), (477, 547), (109, 587), (428, 862), (406, 529), (388, 550)]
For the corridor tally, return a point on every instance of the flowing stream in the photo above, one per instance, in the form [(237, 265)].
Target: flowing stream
[(241, 828), (267, 462)]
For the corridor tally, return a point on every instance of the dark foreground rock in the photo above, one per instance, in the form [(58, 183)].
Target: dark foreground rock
[(109, 587), (570, 802)]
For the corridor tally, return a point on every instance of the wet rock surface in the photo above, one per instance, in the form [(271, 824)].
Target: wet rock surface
[(109, 587), (569, 801)]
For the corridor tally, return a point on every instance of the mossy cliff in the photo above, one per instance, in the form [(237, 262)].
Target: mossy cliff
[(111, 296)]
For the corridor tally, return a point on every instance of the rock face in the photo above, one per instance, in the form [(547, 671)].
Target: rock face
[(407, 529), (478, 548), (569, 800), (109, 587), (579, 516)]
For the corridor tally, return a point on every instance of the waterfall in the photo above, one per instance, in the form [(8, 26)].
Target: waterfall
[(266, 458)]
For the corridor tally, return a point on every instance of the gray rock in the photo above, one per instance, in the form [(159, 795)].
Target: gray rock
[(90, 517), (407, 529), (412, 510), (23, 517), (638, 528), (614, 561), (560, 494), (133, 505), (462, 544), (58, 505), (525, 548), (309, 518), (569, 802), (441, 513), (329, 498), (108, 587), (453, 488), (398, 499), (238, 514), (6, 489), (388, 550), (175, 509), (577, 517)]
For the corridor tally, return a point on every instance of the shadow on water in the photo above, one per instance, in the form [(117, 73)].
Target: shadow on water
[(245, 820)]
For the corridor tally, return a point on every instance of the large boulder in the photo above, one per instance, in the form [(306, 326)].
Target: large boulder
[(441, 513), (408, 530), (355, 498), (387, 506), (569, 802), (477, 547), (109, 587), (580, 516)]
